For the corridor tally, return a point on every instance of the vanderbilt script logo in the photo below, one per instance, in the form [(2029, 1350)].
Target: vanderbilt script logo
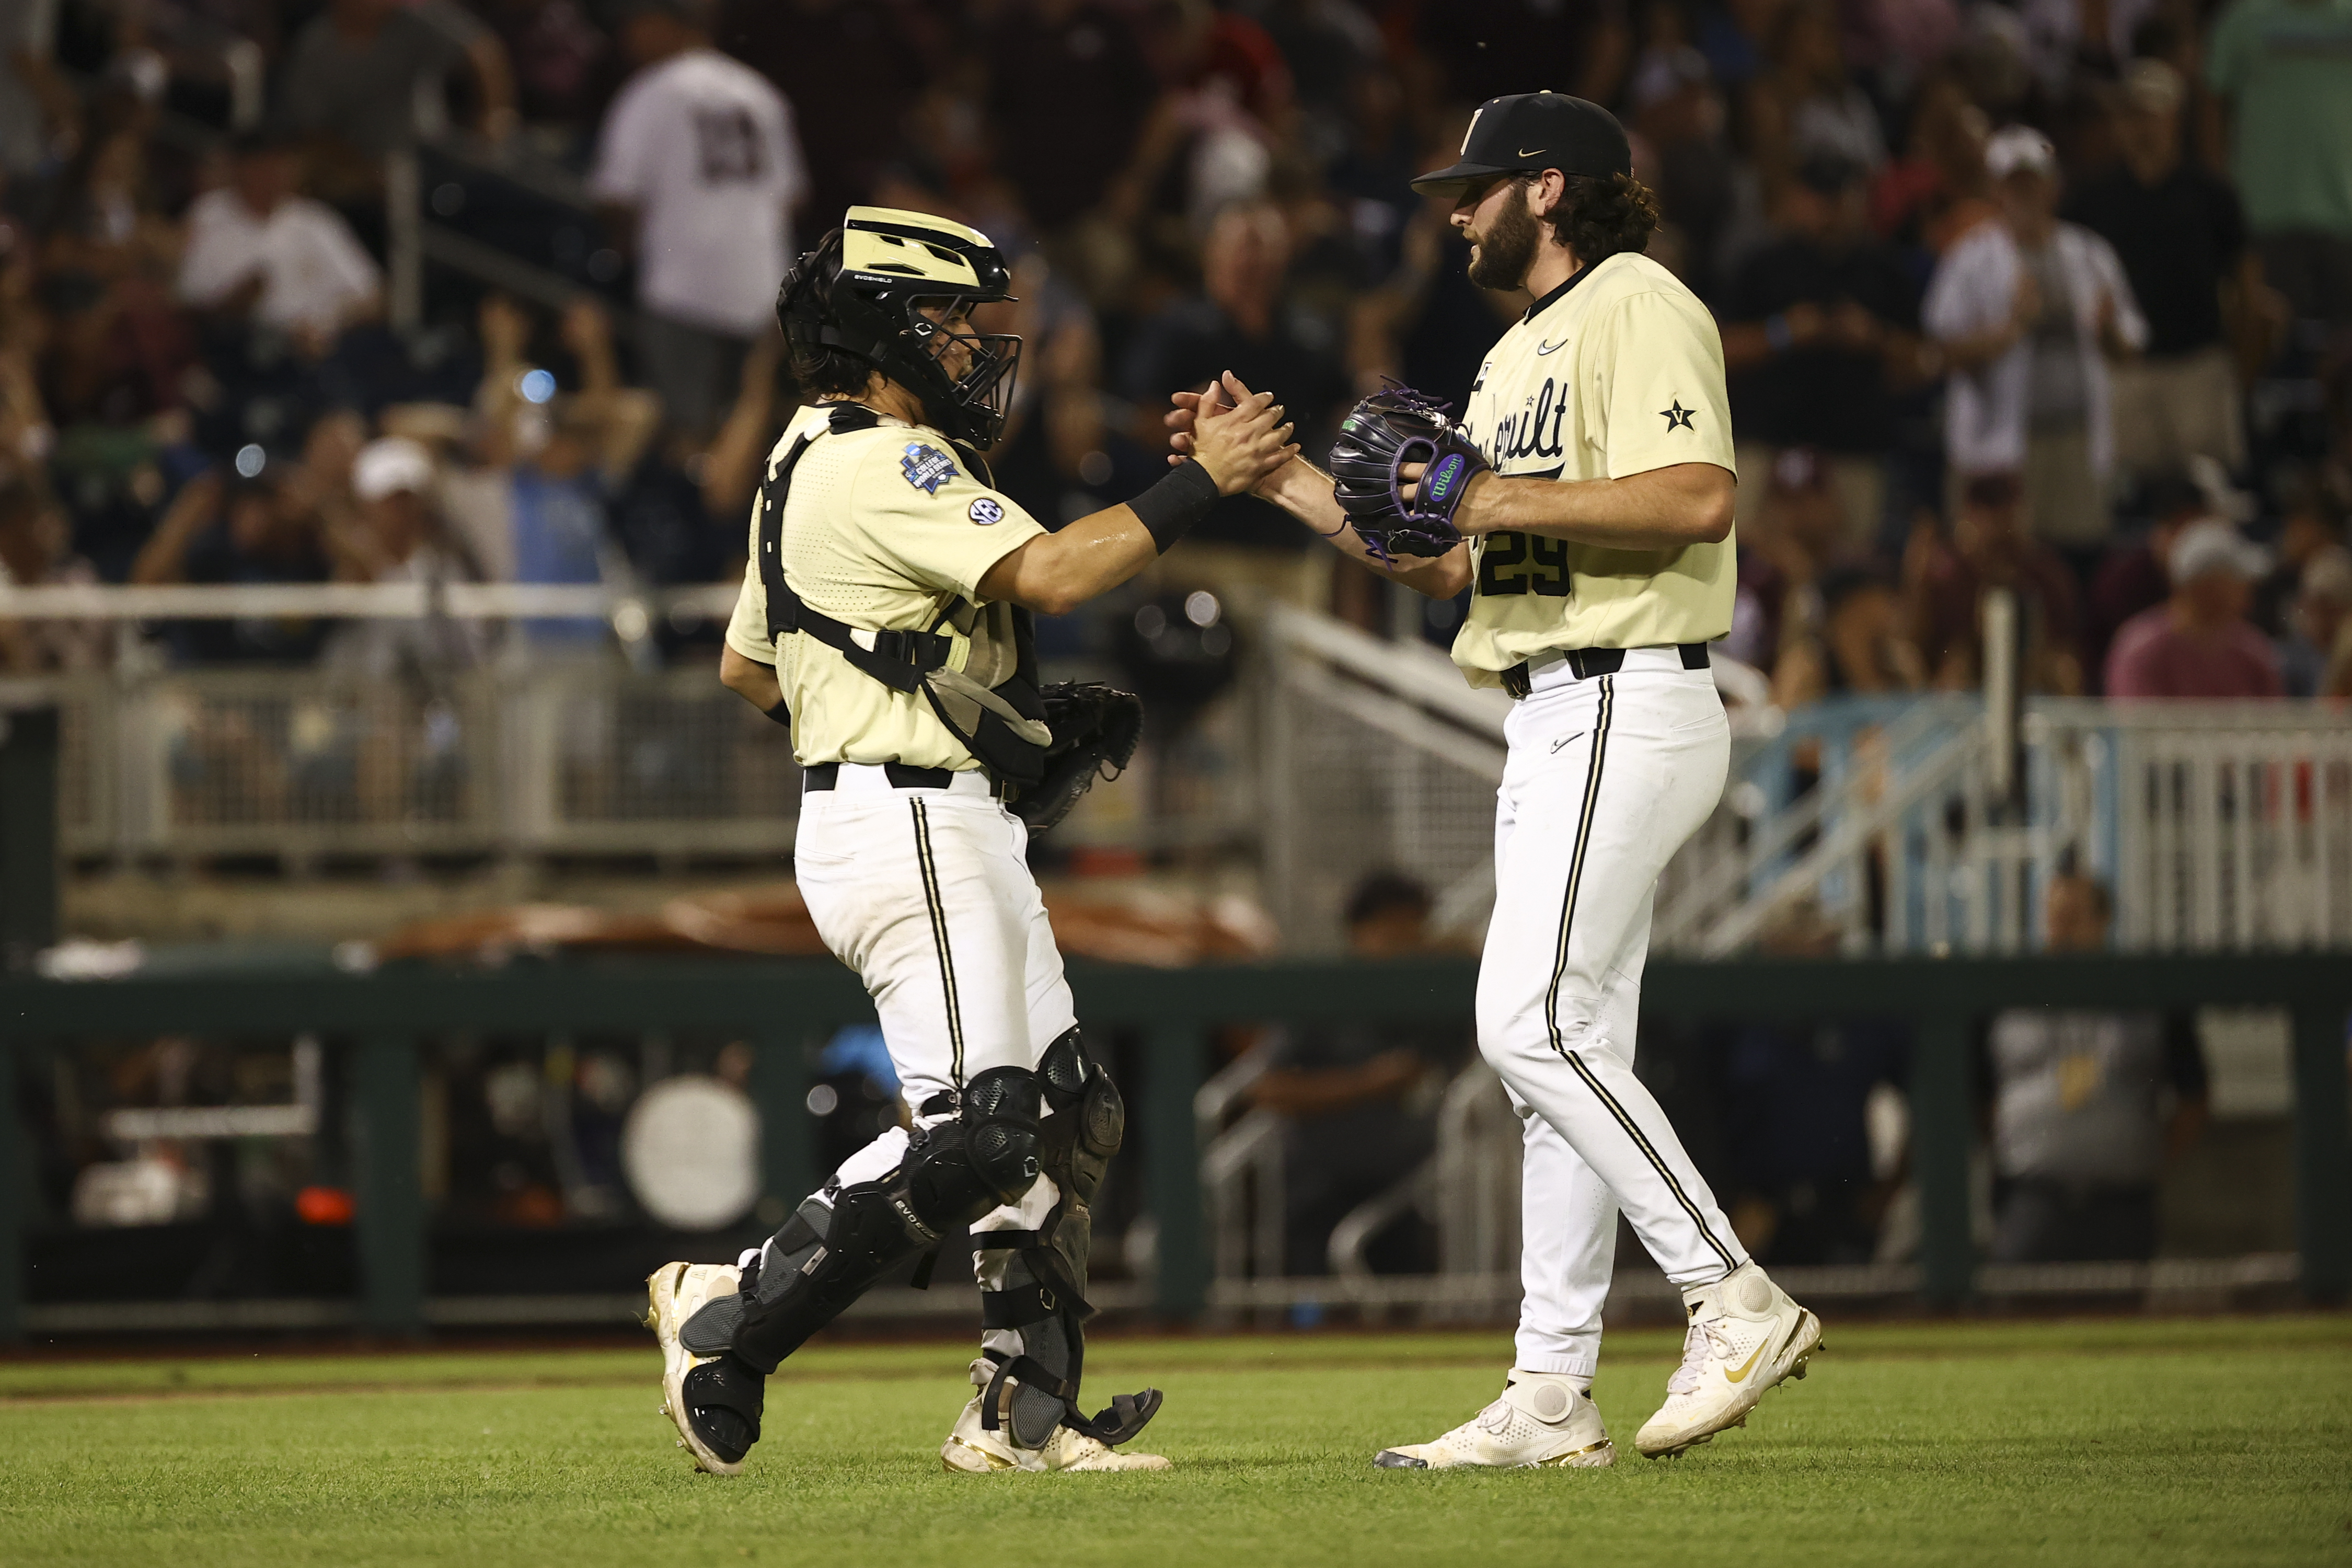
[(1534, 431)]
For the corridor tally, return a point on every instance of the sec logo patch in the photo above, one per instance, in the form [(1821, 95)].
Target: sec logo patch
[(985, 511)]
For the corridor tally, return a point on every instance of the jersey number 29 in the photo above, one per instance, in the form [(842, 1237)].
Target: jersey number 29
[(1523, 564)]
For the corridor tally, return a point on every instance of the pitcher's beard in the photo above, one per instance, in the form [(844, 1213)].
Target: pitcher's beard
[(1508, 248)]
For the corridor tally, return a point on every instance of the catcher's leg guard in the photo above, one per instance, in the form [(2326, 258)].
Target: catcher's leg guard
[(1040, 1296), (844, 1239)]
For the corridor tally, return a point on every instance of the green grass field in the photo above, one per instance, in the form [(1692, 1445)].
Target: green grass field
[(2126, 1441)]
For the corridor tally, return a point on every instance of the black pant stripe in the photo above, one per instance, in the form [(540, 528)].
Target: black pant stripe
[(1559, 972), (1649, 1151), (1576, 861), (936, 909)]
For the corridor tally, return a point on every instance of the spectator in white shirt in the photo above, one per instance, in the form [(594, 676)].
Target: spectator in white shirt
[(403, 538), (257, 251), (700, 169), (2027, 310)]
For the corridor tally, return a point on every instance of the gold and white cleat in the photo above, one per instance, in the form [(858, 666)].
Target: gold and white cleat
[(1542, 1420), (972, 1450), (674, 1293), (1745, 1336)]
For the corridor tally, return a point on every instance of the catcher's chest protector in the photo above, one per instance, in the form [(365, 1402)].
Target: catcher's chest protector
[(977, 666)]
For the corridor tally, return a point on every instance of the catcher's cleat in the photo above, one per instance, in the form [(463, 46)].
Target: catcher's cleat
[(711, 1395), (973, 1449), (1542, 1421), (1745, 1336)]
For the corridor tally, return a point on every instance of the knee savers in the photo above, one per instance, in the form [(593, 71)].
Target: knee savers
[(1043, 1298), (825, 1257)]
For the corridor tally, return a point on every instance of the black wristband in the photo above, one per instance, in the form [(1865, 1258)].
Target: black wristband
[(1168, 510), (782, 712)]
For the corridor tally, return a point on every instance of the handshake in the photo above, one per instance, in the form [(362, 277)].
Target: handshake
[(1399, 467)]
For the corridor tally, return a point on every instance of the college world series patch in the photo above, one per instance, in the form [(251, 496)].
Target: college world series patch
[(985, 511), (927, 468)]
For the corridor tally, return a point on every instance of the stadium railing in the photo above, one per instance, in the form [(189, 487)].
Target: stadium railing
[(1860, 825), (380, 1018)]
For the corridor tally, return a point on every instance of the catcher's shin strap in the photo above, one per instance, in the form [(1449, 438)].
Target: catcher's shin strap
[(1584, 663), (899, 659), (1118, 1422)]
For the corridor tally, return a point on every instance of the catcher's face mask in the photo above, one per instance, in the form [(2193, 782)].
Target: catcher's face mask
[(977, 367)]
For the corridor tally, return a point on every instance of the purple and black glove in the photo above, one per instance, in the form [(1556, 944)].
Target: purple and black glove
[(1382, 434)]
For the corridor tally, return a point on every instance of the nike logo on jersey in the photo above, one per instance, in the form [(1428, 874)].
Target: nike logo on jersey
[(1542, 349), (1563, 741), (1679, 417)]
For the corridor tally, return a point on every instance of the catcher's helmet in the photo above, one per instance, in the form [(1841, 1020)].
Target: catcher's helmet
[(863, 289)]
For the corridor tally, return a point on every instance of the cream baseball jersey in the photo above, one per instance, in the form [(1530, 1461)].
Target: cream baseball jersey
[(884, 529), (1619, 370)]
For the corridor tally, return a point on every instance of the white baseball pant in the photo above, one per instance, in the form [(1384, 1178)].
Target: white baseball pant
[(927, 894), (1606, 778)]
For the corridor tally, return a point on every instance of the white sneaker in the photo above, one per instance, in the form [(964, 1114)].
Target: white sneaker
[(972, 1450), (675, 1292), (1745, 1335), (1541, 1419)]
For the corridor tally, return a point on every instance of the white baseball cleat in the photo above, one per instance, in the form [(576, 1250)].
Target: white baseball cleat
[(1745, 1335), (675, 1292), (1542, 1419), (972, 1450)]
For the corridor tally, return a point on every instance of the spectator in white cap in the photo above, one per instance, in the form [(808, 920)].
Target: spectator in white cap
[(403, 540), (2198, 643), (2028, 310), (2319, 624)]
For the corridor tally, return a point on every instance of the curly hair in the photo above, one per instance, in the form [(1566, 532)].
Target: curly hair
[(1601, 217), (817, 367)]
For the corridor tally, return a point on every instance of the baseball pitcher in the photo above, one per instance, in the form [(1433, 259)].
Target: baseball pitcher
[(1584, 500), (885, 617)]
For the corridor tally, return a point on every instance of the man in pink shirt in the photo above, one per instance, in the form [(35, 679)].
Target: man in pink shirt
[(2199, 642)]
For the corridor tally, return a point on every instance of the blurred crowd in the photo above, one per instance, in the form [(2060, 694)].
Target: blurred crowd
[(2052, 297)]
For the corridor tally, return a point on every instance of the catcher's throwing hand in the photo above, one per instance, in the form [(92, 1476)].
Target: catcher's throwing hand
[(1400, 469), (1228, 394), (1241, 444)]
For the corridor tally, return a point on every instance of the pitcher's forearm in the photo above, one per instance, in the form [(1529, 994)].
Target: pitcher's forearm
[(1303, 491)]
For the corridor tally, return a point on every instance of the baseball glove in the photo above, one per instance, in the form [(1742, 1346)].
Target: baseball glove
[(1380, 435), (1094, 728)]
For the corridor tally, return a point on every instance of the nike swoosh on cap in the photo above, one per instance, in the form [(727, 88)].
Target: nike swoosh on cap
[(1531, 152)]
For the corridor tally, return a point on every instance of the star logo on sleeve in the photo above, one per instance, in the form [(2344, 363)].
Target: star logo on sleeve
[(1678, 417)]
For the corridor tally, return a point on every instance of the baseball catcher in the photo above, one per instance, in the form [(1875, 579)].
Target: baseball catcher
[(884, 616)]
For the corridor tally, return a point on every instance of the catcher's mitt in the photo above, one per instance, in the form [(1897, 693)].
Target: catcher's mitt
[(1379, 434), (1094, 728)]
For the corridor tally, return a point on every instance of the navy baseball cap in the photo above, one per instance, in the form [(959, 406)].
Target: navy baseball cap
[(1531, 132)]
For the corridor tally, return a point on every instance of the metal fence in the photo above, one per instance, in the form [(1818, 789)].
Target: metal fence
[(304, 764), (1861, 824)]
